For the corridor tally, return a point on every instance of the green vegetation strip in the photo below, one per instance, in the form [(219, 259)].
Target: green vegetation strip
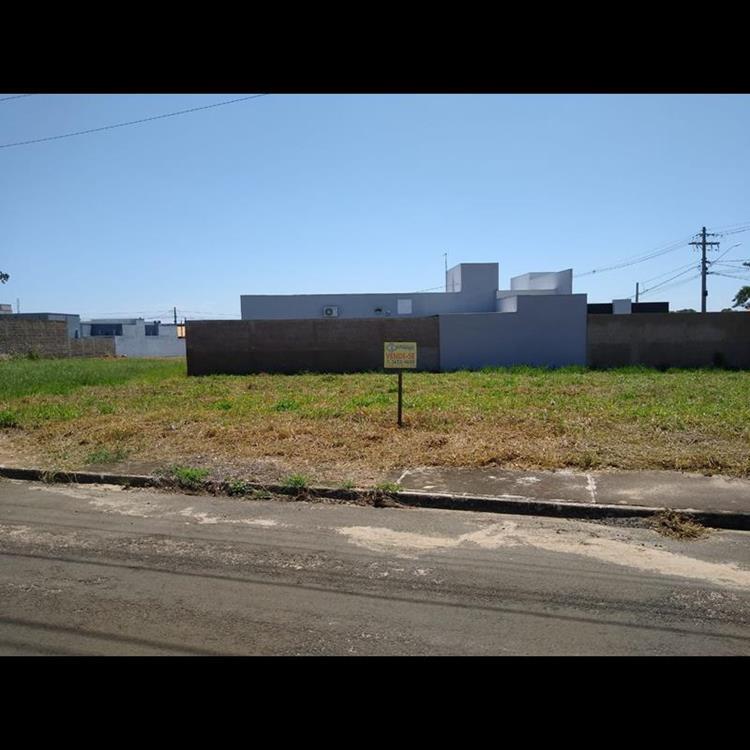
[(71, 413)]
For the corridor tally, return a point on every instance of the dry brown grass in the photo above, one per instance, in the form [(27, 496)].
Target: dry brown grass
[(342, 427), (677, 525)]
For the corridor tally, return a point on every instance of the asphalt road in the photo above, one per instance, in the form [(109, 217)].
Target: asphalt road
[(102, 570)]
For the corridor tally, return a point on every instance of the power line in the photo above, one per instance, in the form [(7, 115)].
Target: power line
[(730, 276), (666, 281), (736, 231), (663, 250), (131, 313), (642, 258), (666, 273), (18, 96), (131, 122), (729, 227), (206, 312), (677, 283)]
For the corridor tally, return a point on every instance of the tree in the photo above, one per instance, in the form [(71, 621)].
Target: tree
[(4, 277), (742, 298)]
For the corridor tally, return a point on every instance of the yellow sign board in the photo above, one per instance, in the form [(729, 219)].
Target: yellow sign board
[(401, 355)]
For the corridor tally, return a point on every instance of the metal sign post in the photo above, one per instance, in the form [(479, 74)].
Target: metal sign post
[(400, 355), (400, 391)]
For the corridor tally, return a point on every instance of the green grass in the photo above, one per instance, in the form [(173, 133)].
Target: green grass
[(286, 404), (390, 488), (189, 477), (106, 456), (8, 419), (20, 377), (61, 411), (297, 481), (243, 488)]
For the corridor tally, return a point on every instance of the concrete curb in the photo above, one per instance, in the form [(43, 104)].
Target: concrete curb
[(408, 498)]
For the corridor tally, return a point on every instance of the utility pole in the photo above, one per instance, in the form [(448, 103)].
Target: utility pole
[(175, 315), (636, 292), (704, 265)]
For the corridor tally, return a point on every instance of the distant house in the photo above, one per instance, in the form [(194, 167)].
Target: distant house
[(136, 337), (472, 324)]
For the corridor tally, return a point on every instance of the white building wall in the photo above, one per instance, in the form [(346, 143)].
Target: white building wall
[(149, 346), (471, 288), (548, 330), (552, 282)]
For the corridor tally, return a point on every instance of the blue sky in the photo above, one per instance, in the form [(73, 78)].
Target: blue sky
[(360, 193)]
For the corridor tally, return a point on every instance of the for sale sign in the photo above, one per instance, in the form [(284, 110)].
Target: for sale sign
[(401, 355)]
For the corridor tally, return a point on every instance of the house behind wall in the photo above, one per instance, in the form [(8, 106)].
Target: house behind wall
[(135, 337), (472, 324)]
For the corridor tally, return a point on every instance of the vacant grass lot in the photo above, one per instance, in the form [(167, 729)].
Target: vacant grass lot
[(70, 414)]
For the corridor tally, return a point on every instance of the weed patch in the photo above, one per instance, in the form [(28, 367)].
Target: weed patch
[(106, 456), (297, 482), (242, 488), (9, 419), (389, 488), (286, 404), (189, 477)]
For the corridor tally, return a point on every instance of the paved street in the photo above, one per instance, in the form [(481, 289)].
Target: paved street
[(103, 570)]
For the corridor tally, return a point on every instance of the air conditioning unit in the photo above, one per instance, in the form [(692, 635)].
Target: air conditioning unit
[(330, 311)]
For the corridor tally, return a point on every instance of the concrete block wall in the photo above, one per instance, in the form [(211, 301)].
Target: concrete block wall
[(44, 338), (95, 346), (48, 338), (670, 340), (246, 346), (553, 332)]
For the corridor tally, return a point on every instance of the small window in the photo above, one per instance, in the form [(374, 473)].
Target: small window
[(404, 307), (106, 329)]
